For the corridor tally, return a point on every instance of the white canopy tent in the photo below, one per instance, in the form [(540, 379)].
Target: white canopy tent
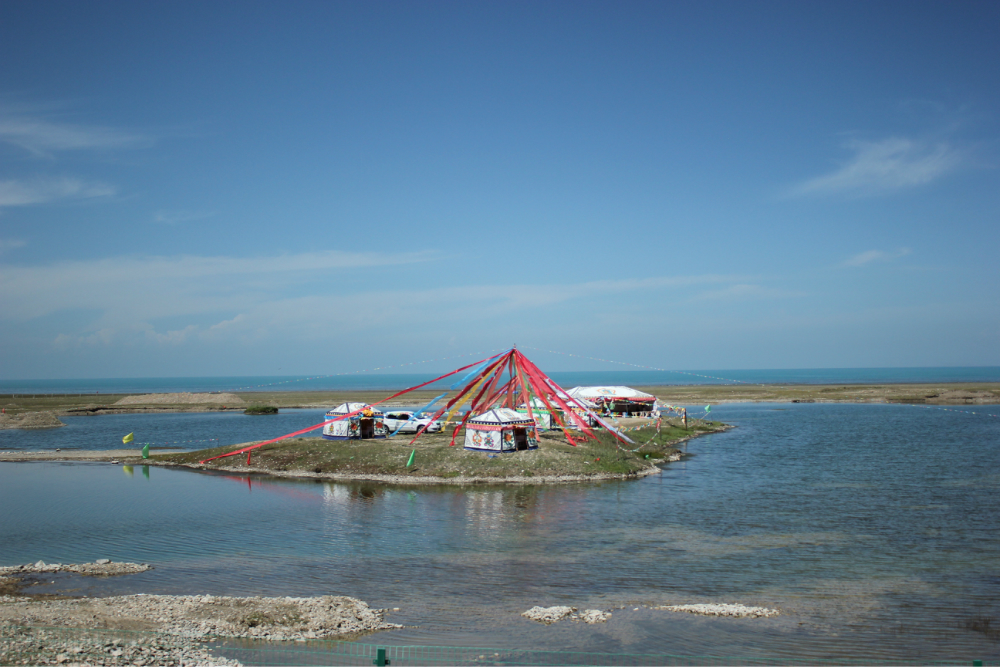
[(615, 399), (543, 416)]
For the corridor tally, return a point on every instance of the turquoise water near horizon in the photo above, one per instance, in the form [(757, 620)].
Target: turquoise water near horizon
[(872, 527), (390, 381)]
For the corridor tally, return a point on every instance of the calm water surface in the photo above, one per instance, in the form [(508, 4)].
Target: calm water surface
[(872, 527)]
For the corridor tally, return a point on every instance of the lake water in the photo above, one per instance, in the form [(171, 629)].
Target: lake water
[(872, 527)]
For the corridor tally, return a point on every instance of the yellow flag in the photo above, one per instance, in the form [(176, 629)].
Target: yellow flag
[(127, 439)]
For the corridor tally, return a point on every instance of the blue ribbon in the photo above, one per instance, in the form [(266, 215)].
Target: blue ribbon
[(474, 371)]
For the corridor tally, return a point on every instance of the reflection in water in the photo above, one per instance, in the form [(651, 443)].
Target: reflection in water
[(485, 513)]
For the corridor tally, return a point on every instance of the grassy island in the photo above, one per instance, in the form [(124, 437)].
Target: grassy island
[(261, 410), (436, 461)]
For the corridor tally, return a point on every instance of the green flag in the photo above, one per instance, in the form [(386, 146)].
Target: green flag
[(412, 456), (128, 438), (145, 451)]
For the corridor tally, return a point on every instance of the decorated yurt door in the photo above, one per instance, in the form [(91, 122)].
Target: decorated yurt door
[(520, 439)]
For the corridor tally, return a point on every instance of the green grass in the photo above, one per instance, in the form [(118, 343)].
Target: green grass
[(434, 457), (257, 409)]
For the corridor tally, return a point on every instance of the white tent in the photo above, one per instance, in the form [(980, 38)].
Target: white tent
[(500, 430), (616, 399), (543, 416), (366, 424)]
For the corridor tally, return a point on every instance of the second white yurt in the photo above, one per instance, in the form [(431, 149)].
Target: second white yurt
[(541, 414), (369, 423), (500, 430)]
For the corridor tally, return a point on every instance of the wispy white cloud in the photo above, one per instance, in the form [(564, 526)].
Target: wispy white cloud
[(230, 299), (42, 190), (43, 137), (175, 217), (869, 256), (885, 166), (10, 244), (145, 287), (195, 300), (748, 291)]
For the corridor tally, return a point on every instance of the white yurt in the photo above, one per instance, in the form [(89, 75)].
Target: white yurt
[(617, 400), (500, 430), (369, 423), (541, 414)]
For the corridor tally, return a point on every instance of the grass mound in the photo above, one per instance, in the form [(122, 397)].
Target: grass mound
[(434, 457), (261, 410)]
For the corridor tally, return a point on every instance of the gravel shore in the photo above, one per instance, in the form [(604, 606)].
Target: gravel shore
[(159, 629), (202, 616), (37, 646)]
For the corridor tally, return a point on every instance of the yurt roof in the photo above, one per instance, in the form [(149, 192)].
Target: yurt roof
[(502, 416), (537, 404), (345, 408), (627, 393)]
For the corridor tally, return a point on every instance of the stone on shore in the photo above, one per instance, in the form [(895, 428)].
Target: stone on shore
[(103, 567), (548, 615), (731, 610)]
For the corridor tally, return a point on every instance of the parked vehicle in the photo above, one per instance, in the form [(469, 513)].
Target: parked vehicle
[(407, 422)]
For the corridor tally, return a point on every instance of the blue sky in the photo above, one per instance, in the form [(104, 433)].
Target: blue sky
[(292, 188)]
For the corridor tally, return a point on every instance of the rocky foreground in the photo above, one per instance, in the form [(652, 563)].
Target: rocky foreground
[(102, 567), (158, 629), (31, 646), (203, 616)]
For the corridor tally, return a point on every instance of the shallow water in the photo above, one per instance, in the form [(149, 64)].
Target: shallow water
[(872, 527), (181, 430)]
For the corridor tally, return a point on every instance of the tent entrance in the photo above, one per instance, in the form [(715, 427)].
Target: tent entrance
[(520, 439), (367, 428)]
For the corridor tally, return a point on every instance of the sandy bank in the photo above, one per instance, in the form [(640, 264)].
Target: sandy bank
[(184, 398), (129, 456), (30, 420)]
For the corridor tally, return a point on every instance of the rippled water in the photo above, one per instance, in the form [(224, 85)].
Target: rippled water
[(184, 430), (872, 527)]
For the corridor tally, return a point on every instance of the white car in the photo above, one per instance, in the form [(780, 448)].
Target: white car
[(407, 422)]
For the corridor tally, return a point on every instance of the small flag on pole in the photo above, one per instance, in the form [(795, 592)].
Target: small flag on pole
[(413, 454), (145, 451), (128, 438)]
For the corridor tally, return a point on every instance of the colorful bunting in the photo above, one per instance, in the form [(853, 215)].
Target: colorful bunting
[(508, 379)]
